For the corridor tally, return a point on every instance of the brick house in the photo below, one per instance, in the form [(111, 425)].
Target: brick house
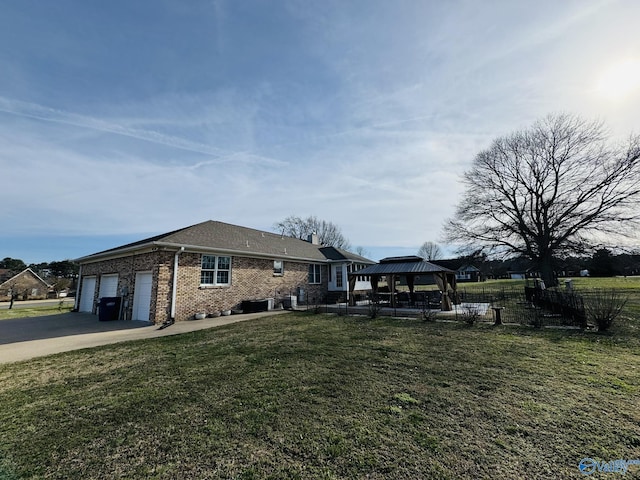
[(27, 285), (209, 268)]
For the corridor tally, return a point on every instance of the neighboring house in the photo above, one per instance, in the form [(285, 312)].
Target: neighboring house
[(521, 268), (26, 285), (208, 268), (465, 272), (468, 273)]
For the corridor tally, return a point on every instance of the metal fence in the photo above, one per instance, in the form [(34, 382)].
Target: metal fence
[(517, 304), (530, 306)]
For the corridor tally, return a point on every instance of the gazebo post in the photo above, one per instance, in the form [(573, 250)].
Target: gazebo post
[(445, 305), (411, 280), (373, 281), (352, 287)]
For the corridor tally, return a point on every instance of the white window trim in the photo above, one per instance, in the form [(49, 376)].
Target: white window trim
[(281, 272), (339, 276), (317, 274), (215, 271)]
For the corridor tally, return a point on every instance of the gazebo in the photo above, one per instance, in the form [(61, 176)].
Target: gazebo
[(410, 267)]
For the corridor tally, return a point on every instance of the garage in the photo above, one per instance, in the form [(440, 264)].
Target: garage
[(142, 296), (108, 286), (87, 293)]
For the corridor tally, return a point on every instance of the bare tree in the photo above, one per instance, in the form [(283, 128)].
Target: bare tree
[(363, 252), (546, 190), (430, 251), (328, 233)]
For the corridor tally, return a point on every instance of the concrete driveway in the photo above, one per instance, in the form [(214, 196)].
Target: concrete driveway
[(25, 338)]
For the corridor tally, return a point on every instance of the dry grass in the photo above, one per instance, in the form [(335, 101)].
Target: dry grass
[(315, 396)]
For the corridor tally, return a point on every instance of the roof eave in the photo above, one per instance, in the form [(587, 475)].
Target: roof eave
[(151, 246), (239, 253)]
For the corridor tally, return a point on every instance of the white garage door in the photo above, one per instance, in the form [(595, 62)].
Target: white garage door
[(142, 296), (108, 286), (86, 294)]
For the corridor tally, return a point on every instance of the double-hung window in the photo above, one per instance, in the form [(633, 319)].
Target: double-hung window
[(278, 268), (215, 270), (314, 273), (339, 276)]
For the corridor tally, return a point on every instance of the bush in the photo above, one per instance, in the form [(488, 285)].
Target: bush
[(603, 307), (427, 314), (374, 307), (470, 314)]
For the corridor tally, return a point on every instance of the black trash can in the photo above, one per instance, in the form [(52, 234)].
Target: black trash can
[(108, 308)]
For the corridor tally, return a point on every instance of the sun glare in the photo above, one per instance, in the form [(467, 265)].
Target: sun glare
[(619, 81)]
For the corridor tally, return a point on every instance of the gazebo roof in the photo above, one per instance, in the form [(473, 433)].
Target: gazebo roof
[(410, 265)]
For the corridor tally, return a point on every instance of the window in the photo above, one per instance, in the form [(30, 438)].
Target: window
[(278, 267), (314, 273), (215, 270), (339, 276)]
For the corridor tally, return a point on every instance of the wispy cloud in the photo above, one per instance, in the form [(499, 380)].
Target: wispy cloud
[(40, 112), (364, 113)]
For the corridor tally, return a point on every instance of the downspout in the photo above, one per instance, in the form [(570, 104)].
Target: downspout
[(76, 303), (174, 286)]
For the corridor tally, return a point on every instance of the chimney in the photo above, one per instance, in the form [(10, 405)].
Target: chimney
[(313, 239)]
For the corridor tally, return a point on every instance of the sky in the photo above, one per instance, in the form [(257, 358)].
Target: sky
[(125, 119)]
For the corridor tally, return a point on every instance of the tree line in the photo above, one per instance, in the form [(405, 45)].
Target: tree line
[(603, 263), (57, 269)]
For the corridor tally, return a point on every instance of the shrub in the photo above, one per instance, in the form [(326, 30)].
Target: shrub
[(428, 315), (374, 307), (470, 314), (603, 307)]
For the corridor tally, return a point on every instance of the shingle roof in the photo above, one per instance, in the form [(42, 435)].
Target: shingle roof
[(333, 253), (219, 236)]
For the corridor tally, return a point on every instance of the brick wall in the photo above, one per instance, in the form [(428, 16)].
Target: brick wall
[(159, 263), (251, 279)]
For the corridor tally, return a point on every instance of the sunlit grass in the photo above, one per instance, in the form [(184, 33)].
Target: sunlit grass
[(35, 311)]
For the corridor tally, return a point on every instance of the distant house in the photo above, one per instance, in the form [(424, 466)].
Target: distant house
[(26, 285), (465, 272), (521, 268), (213, 267)]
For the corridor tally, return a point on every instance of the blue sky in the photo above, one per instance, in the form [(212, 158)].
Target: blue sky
[(125, 119)]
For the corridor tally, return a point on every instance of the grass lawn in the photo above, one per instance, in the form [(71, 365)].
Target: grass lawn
[(35, 311), (321, 397)]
